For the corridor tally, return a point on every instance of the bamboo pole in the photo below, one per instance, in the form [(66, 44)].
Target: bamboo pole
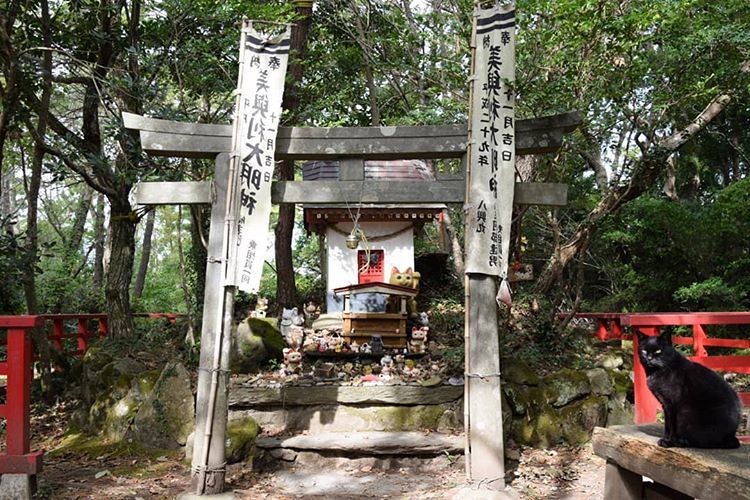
[(467, 288)]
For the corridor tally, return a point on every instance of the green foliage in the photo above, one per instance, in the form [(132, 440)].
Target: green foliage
[(307, 268), (11, 265), (664, 255)]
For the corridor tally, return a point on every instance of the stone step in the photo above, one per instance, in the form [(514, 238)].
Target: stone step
[(370, 443), (331, 408), (364, 451)]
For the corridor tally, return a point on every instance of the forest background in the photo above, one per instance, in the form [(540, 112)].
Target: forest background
[(658, 214)]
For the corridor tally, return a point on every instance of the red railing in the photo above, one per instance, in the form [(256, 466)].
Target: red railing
[(609, 326), (17, 369), (18, 459), (88, 326)]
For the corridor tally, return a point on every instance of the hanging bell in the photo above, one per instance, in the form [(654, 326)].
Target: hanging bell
[(352, 241)]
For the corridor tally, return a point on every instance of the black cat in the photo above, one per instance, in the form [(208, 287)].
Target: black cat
[(700, 409)]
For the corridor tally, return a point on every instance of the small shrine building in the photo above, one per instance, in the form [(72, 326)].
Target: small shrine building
[(385, 232)]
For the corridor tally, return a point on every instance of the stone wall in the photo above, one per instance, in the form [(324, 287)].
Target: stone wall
[(563, 406)]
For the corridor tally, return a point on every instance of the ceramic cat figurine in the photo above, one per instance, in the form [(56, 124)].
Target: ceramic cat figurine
[(700, 409), (408, 279)]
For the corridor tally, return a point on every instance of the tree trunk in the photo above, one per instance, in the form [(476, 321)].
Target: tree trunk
[(99, 239), (286, 288), (32, 197), (140, 277), (456, 249), (120, 272), (190, 334), (11, 87), (75, 238)]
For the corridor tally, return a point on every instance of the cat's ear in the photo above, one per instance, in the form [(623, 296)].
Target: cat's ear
[(408, 271), (666, 337), (641, 336), (394, 270)]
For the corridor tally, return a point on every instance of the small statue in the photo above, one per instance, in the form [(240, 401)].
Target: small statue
[(261, 306), (312, 312), (386, 363), (292, 361), (424, 319), (354, 346), (376, 344), (418, 339)]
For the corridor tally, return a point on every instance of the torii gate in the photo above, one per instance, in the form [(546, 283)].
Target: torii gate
[(351, 146)]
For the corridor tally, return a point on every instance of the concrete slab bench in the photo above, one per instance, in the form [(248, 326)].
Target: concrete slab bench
[(632, 454)]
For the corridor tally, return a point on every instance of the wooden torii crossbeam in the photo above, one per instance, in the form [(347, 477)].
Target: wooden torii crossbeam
[(351, 147)]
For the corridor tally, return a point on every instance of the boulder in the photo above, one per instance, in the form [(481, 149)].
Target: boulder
[(579, 419), (519, 372), (240, 440), (106, 381), (543, 430), (119, 415), (167, 416), (255, 341), (565, 386), (600, 381), (524, 399)]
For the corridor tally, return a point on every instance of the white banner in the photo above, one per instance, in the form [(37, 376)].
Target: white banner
[(490, 201), (263, 68)]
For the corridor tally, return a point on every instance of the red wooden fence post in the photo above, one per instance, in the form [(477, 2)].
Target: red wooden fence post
[(57, 334), (19, 382), (645, 402), (699, 338), (103, 329), (17, 459), (83, 335)]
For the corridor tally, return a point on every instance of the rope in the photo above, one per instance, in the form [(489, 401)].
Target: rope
[(375, 238), (482, 376)]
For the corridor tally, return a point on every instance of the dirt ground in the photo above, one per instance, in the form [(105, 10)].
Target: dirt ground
[(558, 473)]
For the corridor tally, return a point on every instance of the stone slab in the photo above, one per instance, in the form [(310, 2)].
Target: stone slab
[(374, 443), (700, 473), (240, 396)]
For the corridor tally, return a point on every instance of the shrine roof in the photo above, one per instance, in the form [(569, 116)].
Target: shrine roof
[(396, 170)]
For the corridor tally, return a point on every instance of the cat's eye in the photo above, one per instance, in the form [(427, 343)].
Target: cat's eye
[(658, 351)]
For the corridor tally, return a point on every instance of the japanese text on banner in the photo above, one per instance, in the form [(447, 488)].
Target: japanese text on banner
[(256, 123), (490, 203)]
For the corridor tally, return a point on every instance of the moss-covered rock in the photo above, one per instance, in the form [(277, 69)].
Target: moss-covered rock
[(623, 384), (565, 386), (524, 399), (620, 411), (601, 382), (240, 440), (519, 372), (579, 419), (119, 414), (167, 416), (542, 430), (255, 341)]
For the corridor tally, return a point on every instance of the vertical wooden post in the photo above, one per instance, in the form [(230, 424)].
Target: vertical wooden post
[(57, 334), (102, 327), (485, 424), (699, 338), (214, 304), (645, 402), (83, 335), (622, 484), (19, 382)]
